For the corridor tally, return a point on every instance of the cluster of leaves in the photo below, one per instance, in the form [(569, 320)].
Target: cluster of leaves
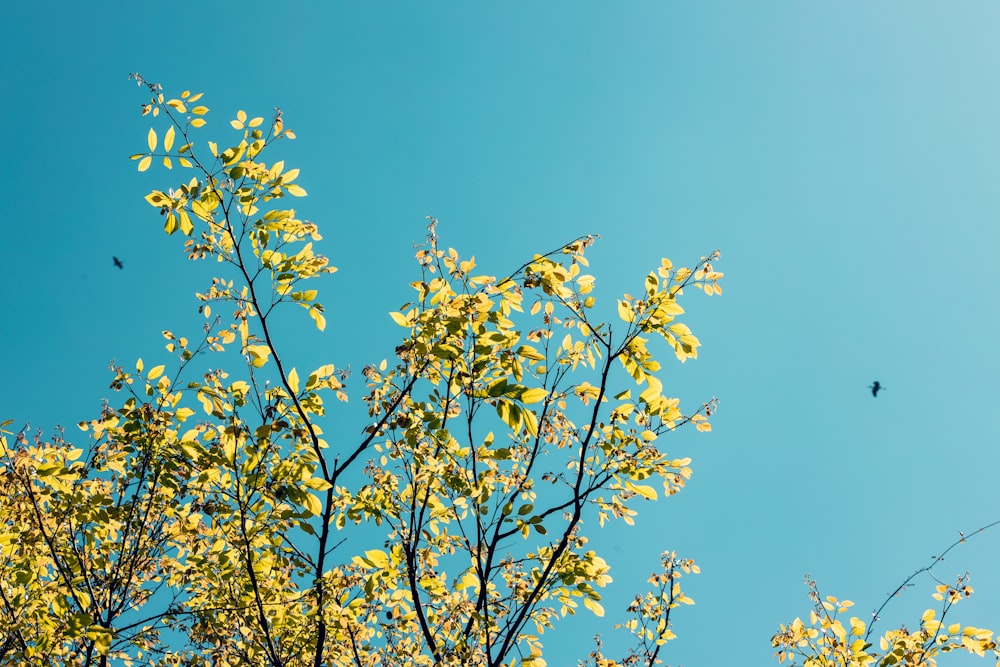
[(826, 642), (210, 521)]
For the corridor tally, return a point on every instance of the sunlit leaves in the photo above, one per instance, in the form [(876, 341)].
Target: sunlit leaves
[(474, 543), (533, 395), (258, 354), (827, 640), (316, 313), (238, 123)]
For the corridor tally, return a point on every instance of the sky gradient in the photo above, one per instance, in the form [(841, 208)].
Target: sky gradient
[(844, 157)]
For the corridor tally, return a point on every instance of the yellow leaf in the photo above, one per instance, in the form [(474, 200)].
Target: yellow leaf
[(625, 311), (198, 122), (377, 558), (467, 580), (316, 483), (157, 198), (289, 175), (647, 492), (185, 223), (144, 163), (534, 395), (530, 422), (258, 354), (317, 316), (155, 372), (199, 110), (594, 606), (401, 319), (295, 190), (168, 139), (293, 381), (151, 139), (312, 504), (255, 122)]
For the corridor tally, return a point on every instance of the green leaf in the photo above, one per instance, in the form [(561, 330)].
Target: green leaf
[(510, 414), (101, 638)]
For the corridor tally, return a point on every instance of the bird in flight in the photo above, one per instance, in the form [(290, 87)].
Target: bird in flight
[(118, 263), (875, 388)]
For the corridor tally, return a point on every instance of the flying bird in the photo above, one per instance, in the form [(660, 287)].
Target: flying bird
[(118, 263), (875, 388)]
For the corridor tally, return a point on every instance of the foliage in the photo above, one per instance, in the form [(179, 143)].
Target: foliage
[(827, 642), (218, 519), (230, 520)]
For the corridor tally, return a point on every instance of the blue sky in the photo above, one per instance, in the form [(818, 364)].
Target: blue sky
[(843, 157)]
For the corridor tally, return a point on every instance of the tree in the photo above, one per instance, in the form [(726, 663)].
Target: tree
[(222, 517), (509, 418)]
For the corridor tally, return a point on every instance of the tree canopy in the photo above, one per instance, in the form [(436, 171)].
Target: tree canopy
[(223, 514)]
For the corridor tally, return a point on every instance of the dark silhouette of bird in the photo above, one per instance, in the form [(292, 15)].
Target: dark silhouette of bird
[(875, 388), (118, 263)]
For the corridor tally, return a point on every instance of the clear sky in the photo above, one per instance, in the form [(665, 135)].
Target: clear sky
[(843, 156)]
